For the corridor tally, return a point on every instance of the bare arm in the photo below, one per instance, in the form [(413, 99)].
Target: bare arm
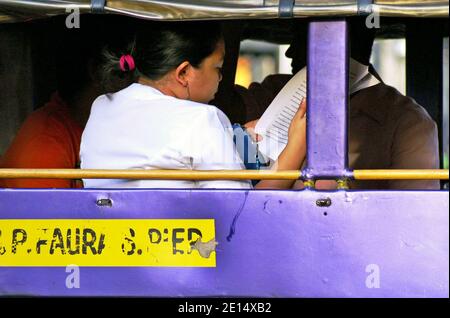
[(293, 155)]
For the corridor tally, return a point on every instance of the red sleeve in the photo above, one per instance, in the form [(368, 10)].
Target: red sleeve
[(43, 151)]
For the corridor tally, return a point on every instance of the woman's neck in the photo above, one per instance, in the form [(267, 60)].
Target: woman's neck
[(161, 85)]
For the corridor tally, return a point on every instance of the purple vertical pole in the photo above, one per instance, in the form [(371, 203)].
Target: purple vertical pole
[(327, 99)]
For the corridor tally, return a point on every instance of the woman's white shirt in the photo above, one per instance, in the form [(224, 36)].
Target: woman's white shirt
[(141, 128)]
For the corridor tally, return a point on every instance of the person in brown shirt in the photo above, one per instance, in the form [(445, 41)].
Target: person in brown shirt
[(387, 130)]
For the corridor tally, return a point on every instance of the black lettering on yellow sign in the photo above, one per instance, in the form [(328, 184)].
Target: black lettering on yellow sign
[(130, 242), (2, 248), (155, 236), (70, 244), (67, 245), (39, 244), (57, 242), (87, 241), (176, 240), (109, 242), (191, 239), (15, 238)]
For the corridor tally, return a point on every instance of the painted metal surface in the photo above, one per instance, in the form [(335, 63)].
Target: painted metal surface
[(410, 8), (24, 10), (327, 154), (271, 243)]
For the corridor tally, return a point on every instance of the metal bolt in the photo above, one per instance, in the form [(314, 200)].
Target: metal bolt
[(309, 184), (342, 184), (104, 202), (323, 203)]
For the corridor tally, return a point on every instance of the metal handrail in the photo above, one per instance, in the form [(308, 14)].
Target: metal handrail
[(398, 174), (24, 10), (407, 174)]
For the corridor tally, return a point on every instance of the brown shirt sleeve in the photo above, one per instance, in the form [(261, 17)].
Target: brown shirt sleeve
[(415, 146)]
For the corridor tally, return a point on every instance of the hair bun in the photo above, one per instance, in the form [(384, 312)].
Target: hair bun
[(127, 63)]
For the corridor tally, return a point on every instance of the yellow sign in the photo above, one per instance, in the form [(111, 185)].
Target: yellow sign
[(130, 242)]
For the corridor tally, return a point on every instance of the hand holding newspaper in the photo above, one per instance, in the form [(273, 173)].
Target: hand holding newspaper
[(274, 123)]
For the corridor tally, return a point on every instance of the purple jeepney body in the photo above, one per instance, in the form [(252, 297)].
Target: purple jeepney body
[(270, 243)]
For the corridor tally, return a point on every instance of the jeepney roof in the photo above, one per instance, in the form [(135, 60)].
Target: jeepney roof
[(175, 10)]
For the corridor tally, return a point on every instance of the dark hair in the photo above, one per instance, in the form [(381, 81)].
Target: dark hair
[(158, 48), (75, 50), (361, 40)]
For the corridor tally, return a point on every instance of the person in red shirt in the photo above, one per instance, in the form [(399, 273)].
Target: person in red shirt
[(50, 137)]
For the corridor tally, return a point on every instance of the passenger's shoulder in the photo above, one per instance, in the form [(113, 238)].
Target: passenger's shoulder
[(214, 115), (209, 116), (276, 81), (277, 78), (397, 106), (46, 118), (408, 108), (104, 100)]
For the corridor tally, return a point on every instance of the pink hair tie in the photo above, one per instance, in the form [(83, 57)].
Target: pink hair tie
[(128, 59)]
